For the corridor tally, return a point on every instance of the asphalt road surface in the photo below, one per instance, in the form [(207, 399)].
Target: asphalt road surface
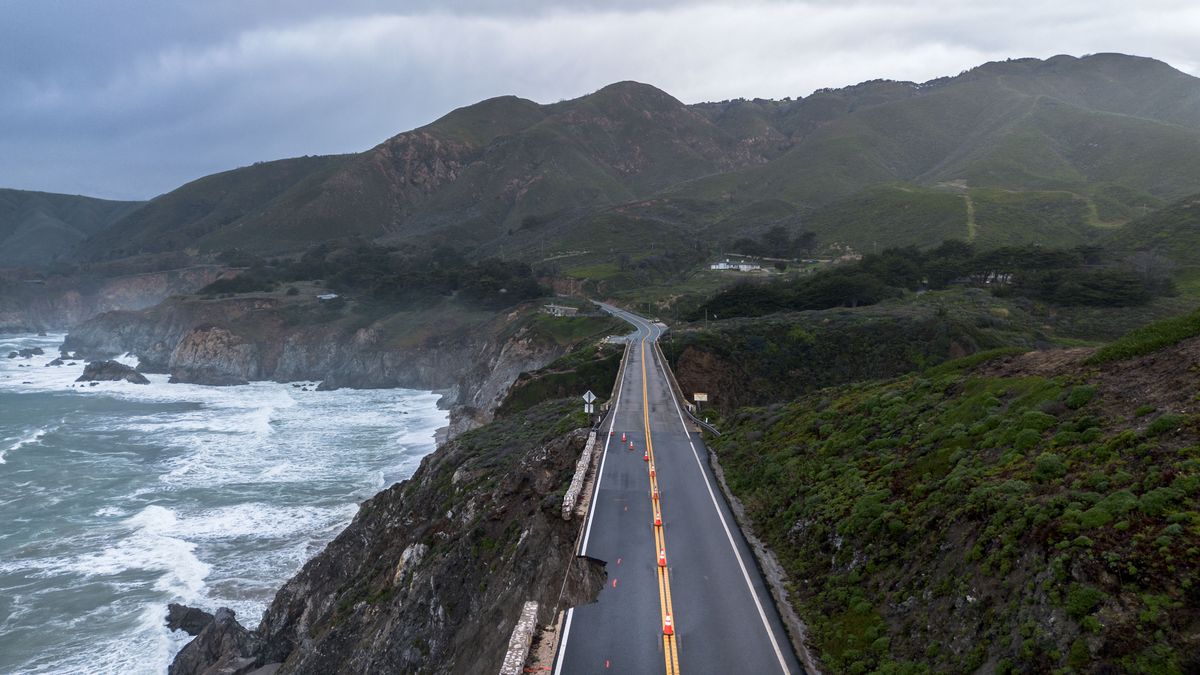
[(722, 617)]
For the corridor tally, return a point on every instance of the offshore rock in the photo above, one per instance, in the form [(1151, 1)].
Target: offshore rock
[(110, 371), (187, 619), (224, 647)]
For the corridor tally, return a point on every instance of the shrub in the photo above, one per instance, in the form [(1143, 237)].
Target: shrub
[(1038, 421), (1164, 423), (1082, 600), (1157, 501), (1079, 656), (1080, 396), (1026, 438), (1120, 502), (1095, 517), (1049, 466)]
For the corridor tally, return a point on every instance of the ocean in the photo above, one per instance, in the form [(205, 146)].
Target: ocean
[(117, 499)]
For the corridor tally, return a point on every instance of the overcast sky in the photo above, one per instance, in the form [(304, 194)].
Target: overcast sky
[(129, 99)]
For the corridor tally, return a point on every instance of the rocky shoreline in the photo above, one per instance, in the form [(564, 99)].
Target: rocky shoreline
[(431, 574), (236, 340)]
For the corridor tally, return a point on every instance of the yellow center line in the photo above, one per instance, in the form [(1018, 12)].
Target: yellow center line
[(670, 647)]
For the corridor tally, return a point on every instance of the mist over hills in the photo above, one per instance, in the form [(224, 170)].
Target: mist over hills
[(1054, 151)]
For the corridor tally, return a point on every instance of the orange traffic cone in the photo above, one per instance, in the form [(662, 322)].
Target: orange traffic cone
[(651, 466), (630, 445), (611, 432), (646, 456), (658, 520), (622, 436), (662, 557), (654, 494), (668, 625)]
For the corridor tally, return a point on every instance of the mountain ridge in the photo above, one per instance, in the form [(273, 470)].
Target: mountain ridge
[(633, 171)]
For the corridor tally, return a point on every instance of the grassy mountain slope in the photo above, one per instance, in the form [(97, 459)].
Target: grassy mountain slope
[(1173, 231), (1080, 143), (471, 176), (189, 215), (1052, 507), (39, 227)]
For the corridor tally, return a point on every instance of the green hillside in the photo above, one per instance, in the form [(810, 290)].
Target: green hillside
[(1172, 232), (40, 227), (1050, 506), (188, 216), (1048, 151)]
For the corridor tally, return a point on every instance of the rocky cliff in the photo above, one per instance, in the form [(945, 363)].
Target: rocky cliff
[(224, 341), (432, 573), (60, 303)]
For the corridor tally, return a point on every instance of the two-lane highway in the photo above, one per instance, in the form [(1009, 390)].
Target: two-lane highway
[(683, 590)]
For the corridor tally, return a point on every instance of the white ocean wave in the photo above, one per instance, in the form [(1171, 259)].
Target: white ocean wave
[(219, 494)]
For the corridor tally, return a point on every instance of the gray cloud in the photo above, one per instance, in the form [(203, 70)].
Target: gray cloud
[(129, 99)]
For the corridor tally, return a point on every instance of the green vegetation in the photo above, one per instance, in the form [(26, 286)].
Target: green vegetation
[(570, 330), (782, 356), (1149, 338), (890, 216), (1023, 505), (37, 228), (1049, 219), (1055, 152), (394, 278), (584, 369), (510, 436), (777, 242), (1167, 237), (1083, 276)]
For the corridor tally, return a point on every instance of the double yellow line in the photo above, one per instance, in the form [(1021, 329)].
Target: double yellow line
[(670, 646)]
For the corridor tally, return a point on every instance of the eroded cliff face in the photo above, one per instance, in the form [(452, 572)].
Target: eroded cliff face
[(233, 340), (432, 573), (62, 303)]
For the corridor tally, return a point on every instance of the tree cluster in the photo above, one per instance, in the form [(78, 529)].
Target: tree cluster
[(777, 242), (384, 274), (1084, 275)]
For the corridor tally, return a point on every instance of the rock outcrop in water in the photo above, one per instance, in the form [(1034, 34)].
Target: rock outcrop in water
[(190, 620), (223, 647), (111, 371), (432, 573)]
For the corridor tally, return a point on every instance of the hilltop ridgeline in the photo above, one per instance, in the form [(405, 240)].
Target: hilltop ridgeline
[(1003, 154)]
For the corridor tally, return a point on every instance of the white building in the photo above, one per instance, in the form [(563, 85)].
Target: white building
[(560, 310), (740, 266)]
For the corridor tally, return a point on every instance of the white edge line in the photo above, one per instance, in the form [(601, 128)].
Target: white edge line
[(587, 533), (562, 647), (728, 535)]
